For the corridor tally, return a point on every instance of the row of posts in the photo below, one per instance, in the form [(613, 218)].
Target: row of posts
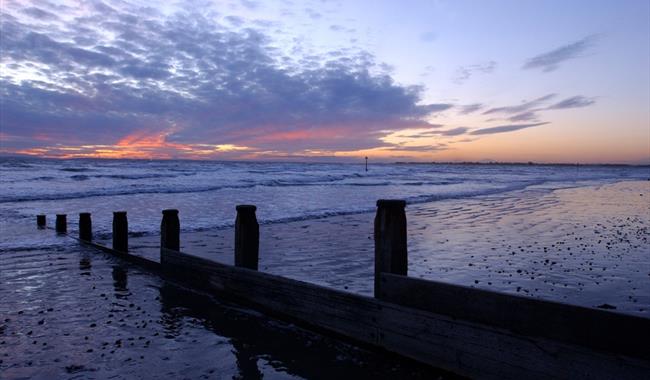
[(389, 232)]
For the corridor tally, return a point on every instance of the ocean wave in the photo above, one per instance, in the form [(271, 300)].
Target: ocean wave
[(137, 176), (18, 165), (137, 189), (328, 181), (141, 189), (75, 170), (322, 214)]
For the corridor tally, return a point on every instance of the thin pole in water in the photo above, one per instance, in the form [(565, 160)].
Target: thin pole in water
[(366, 163)]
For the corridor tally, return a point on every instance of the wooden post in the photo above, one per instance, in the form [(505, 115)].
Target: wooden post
[(40, 221), (390, 240), (247, 237), (120, 232), (169, 232), (85, 226), (61, 223)]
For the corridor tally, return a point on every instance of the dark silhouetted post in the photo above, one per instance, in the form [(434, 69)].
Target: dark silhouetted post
[(366, 163), (170, 230), (61, 223), (40, 221), (390, 240), (120, 232), (85, 226), (247, 237)]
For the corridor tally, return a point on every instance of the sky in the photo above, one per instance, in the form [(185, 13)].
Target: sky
[(521, 80)]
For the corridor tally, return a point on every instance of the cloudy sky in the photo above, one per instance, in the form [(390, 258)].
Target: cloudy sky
[(551, 81)]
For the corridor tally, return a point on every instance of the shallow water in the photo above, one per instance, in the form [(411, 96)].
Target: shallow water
[(73, 312)]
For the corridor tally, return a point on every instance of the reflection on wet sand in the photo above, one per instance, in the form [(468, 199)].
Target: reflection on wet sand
[(257, 340), (85, 265), (120, 322), (120, 280)]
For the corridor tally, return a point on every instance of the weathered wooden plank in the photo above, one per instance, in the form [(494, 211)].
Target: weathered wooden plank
[(41, 221), (391, 254), (496, 353), (61, 223), (599, 329), (247, 237), (170, 231), (85, 226), (120, 232), (467, 348)]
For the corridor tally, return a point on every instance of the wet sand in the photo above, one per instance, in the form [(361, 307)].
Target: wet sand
[(586, 245), (70, 312)]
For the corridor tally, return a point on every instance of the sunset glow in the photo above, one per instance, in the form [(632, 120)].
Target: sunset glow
[(426, 81)]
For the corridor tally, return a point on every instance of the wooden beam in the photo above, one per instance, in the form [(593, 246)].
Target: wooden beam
[(247, 237), (85, 226), (120, 232), (61, 223), (170, 231), (460, 346), (390, 239), (598, 329), (40, 221)]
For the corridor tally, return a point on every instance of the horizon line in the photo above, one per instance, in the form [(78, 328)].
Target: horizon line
[(298, 161)]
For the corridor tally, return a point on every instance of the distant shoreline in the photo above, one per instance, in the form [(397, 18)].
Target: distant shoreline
[(297, 161), (530, 163)]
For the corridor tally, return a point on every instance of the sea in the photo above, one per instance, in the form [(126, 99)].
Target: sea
[(206, 192)]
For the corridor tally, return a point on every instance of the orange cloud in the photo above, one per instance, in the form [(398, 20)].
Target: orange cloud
[(140, 145), (303, 134)]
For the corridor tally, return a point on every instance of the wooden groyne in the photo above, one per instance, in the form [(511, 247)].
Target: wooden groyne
[(468, 331)]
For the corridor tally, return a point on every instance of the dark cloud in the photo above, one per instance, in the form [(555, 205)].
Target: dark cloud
[(528, 111), (314, 15), (463, 73), (196, 81), (524, 116), (519, 108), (234, 20), (420, 148), (551, 60), (454, 131), (39, 13), (504, 128), (448, 132), (573, 102), (470, 108)]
